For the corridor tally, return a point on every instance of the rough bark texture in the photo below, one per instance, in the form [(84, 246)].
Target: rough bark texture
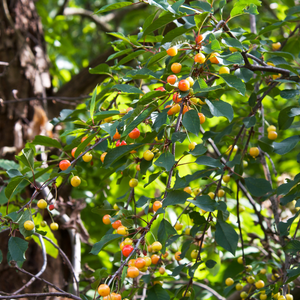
[(22, 47)]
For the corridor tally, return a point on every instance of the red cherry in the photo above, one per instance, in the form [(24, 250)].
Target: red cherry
[(127, 249), (161, 88), (51, 206), (134, 134), (123, 143), (118, 144), (64, 164)]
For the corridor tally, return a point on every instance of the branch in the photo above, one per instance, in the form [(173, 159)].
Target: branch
[(40, 272), (66, 295), (102, 22), (58, 99)]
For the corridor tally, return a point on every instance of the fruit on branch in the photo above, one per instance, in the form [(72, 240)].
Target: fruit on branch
[(239, 287), (245, 164), (192, 146), (263, 296), (172, 79), (117, 135), (226, 178), (201, 118), (75, 181), (178, 226), (187, 231), (220, 193), (248, 268), (243, 295), (134, 134), (148, 155), (156, 205), (154, 259), (232, 49), (188, 189), (162, 270), (156, 246), (116, 224), (186, 294), (28, 225), (240, 260), (186, 109), (103, 156), (199, 58), (177, 256), (64, 164), (184, 85), (199, 39), (54, 226), (122, 230), (254, 152), (73, 151), (161, 89), (42, 204), (259, 284), (43, 224), (158, 282), (271, 128), (140, 263), (276, 46), (241, 208), (190, 80), (272, 135), (148, 261), (51, 207), (172, 51), (229, 281), (211, 195), (176, 68), (289, 297), (103, 290), (194, 254), (106, 219), (214, 58), (176, 98), (224, 70), (128, 241), (250, 279), (133, 182), (127, 249), (263, 271), (87, 157)]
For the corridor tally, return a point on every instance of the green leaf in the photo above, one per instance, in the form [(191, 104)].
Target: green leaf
[(289, 94), (12, 186), (160, 120), (142, 201), (131, 56), (258, 187), (27, 158), (110, 7), (152, 177), (150, 96), (160, 22), (271, 27), (177, 270), (92, 105), (164, 231), (210, 263), (284, 227), (249, 121), (81, 147), (208, 161), (231, 42), (293, 274), (17, 248), (284, 118), (205, 203), (191, 121), (169, 37), (266, 145), (166, 160), (286, 145), (178, 136), (8, 164), (202, 5), (200, 19), (240, 5), (118, 152), (157, 57), (230, 59), (226, 131), (199, 150), (220, 109), (128, 89), (157, 292), (119, 53), (46, 141), (175, 197), (234, 82), (226, 236), (294, 112), (244, 74), (292, 247), (14, 173), (106, 239), (103, 69)]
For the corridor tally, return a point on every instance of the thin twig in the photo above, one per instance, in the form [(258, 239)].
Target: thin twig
[(66, 295)]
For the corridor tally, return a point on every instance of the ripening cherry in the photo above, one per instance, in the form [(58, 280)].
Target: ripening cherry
[(271, 128), (190, 80), (134, 134), (103, 290), (184, 85), (122, 230), (128, 241), (83, 139), (224, 70), (221, 193), (140, 263), (199, 58), (54, 226), (229, 281), (133, 182), (147, 260), (127, 250), (177, 256), (148, 155), (214, 58), (155, 258), (172, 51), (243, 295), (156, 206), (28, 225), (254, 152), (42, 204), (199, 39), (201, 118), (272, 135), (156, 246), (116, 224), (276, 46), (162, 270), (185, 109), (51, 207), (194, 254), (232, 49), (117, 135), (87, 157), (73, 151), (211, 195), (118, 143), (103, 156), (106, 219), (259, 284), (250, 279), (123, 143), (178, 226), (172, 79), (43, 223), (175, 109), (188, 189), (133, 272), (176, 98), (239, 287), (161, 89), (64, 164), (176, 68), (131, 262), (75, 181), (263, 296)]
